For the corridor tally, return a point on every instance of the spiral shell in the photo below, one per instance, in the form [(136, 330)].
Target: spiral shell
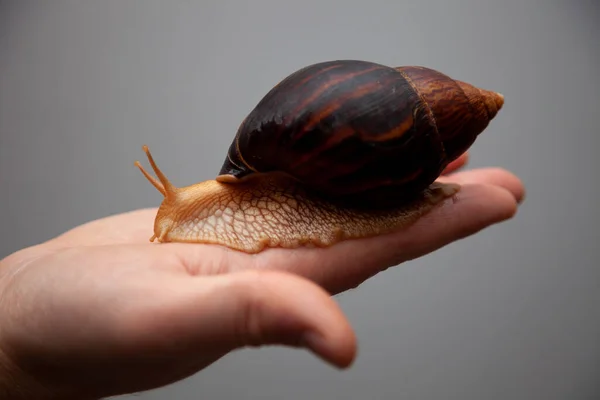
[(336, 151), (361, 131)]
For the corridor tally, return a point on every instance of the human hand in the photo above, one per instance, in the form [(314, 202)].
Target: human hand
[(100, 311)]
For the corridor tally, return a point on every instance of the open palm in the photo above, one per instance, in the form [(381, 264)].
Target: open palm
[(100, 310)]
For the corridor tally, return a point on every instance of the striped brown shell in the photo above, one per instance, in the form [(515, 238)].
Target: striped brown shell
[(361, 131)]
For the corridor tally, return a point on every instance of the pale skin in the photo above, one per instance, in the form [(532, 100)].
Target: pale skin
[(101, 311)]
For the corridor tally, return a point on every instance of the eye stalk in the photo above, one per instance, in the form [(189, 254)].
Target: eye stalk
[(163, 185)]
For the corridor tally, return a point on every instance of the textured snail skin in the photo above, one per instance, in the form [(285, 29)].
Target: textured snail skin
[(273, 210), (337, 150)]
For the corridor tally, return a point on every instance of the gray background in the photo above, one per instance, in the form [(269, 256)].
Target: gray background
[(512, 313)]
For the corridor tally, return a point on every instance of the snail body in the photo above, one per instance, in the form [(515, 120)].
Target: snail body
[(337, 150)]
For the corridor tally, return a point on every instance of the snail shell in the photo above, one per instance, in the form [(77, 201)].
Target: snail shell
[(337, 150)]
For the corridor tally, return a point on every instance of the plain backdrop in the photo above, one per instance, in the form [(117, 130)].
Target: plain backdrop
[(511, 313)]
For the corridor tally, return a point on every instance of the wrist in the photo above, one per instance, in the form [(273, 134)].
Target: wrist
[(14, 384), (17, 384)]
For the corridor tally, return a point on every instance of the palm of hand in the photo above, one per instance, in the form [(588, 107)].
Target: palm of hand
[(103, 305)]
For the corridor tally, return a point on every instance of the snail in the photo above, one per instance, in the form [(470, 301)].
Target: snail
[(337, 150)]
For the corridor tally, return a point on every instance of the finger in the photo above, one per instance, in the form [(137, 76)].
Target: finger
[(489, 176), (257, 308), (457, 164), (474, 208), (348, 264)]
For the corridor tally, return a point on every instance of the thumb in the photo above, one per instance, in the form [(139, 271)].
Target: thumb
[(257, 308)]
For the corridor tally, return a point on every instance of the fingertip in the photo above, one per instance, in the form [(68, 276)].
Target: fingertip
[(493, 203), (507, 180), (339, 352)]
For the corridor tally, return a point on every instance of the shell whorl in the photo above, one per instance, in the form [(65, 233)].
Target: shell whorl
[(460, 111)]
